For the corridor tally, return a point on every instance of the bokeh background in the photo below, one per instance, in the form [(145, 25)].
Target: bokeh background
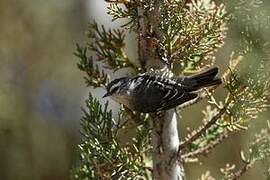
[(42, 90)]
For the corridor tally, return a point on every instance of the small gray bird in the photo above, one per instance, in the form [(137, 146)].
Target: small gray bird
[(153, 92)]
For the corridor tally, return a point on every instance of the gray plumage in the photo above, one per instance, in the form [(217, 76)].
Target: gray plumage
[(152, 92)]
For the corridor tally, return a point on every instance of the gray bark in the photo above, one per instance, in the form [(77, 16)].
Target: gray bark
[(165, 142), (165, 139)]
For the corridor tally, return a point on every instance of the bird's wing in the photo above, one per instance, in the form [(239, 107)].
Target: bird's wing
[(174, 96), (168, 93), (178, 101)]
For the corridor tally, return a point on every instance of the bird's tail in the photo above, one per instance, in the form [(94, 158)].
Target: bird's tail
[(201, 80)]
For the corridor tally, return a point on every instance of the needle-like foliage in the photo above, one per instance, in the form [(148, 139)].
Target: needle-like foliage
[(186, 35), (108, 46), (95, 77), (101, 155), (193, 32)]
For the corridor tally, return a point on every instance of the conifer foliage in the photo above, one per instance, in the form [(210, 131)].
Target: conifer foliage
[(185, 34)]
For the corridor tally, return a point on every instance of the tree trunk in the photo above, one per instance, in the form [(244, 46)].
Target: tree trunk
[(165, 139), (165, 142)]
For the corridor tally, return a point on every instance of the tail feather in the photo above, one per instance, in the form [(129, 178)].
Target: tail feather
[(201, 80), (209, 73)]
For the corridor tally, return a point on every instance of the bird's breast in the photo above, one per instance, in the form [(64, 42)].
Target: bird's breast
[(123, 99)]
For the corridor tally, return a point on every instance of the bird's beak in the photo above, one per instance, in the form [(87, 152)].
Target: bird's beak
[(106, 95)]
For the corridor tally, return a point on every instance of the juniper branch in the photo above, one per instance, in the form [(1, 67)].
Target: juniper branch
[(206, 149), (202, 129), (101, 155), (108, 46), (243, 170), (94, 76)]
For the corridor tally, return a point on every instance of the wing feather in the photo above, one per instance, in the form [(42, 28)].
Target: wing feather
[(173, 95), (160, 93)]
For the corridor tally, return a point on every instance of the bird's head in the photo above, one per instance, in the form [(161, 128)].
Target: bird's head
[(116, 87)]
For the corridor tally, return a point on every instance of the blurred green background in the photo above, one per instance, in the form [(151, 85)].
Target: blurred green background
[(42, 91)]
